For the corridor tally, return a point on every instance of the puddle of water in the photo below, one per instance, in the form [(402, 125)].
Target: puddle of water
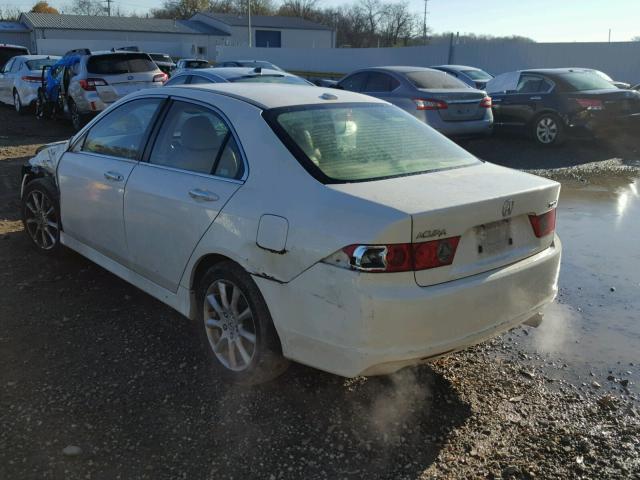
[(595, 324)]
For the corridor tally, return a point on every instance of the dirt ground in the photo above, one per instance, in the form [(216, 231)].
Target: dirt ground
[(88, 361)]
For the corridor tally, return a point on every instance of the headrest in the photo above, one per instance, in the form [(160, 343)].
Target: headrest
[(199, 134)]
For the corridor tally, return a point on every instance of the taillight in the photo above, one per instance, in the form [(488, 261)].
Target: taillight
[(590, 103), (430, 104), (90, 84), (543, 224), (161, 77), (32, 79), (486, 102), (397, 257)]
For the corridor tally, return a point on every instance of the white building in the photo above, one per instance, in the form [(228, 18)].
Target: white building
[(198, 37)]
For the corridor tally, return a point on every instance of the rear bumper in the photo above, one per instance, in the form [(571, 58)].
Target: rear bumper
[(465, 129), (351, 324), (599, 124)]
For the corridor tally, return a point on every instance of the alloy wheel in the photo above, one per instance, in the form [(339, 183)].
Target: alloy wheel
[(16, 102), (547, 130), (41, 220), (75, 116), (230, 325)]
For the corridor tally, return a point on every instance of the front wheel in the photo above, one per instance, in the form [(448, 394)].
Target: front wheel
[(236, 327), (548, 129), (41, 215)]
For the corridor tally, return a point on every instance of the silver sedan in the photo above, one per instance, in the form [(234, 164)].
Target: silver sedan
[(234, 75), (438, 99), (21, 78)]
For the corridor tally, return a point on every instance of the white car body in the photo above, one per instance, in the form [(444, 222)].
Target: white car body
[(18, 77), (286, 229)]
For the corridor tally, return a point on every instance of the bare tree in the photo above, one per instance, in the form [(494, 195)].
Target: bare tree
[(9, 13), (299, 8), (86, 7), (396, 21)]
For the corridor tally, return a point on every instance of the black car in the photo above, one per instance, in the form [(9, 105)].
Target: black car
[(551, 103)]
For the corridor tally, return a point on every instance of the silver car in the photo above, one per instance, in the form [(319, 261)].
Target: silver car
[(472, 76), (20, 79), (233, 75), (98, 79), (438, 99), (190, 64)]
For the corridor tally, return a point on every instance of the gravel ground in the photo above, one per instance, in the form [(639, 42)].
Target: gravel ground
[(99, 380)]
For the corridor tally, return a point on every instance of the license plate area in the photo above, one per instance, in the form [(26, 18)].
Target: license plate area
[(494, 237)]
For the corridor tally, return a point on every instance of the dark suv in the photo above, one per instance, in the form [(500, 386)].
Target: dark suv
[(7, 52), (550, 103)]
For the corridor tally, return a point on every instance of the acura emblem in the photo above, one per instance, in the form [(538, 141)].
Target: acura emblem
[(507, 208)]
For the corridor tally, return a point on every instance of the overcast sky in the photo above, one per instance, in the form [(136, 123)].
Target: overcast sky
[(542, 20)]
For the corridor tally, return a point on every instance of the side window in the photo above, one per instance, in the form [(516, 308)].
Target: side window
[(179, 80), (532, 84), (16, 66), (199, 79), (8, 66), (355, 82), (122, 132), (195, 138), (380, 82)]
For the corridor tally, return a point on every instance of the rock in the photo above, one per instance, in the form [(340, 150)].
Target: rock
[(613, 289), (516, 399), (72, 451), (624, 383), (595, 384)]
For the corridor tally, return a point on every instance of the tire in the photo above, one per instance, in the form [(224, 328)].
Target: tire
[(43, 108), (77, 119), (41, 216), (17, 103), (548, 130), (242, 347)]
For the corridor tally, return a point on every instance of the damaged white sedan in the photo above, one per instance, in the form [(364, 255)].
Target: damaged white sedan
[(293, 222)]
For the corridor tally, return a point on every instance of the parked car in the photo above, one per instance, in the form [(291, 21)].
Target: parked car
[(550, 103), (295, 222), (92, 81), (8, 51), (249, 63), (164, 62), (234, 74), (20, 79), (438, 99), (190, 64), (472, 76)]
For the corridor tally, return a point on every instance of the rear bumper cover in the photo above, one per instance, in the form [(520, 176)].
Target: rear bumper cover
[(351, 324)]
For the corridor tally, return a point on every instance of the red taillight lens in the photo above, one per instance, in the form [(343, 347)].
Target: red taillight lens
[(90, 84), (430, 104), (486, 102), (590, 103), (402, 257), (161, 77), (544, 224), (32, 79)]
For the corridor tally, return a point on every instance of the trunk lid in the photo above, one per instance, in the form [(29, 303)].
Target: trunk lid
[(487, 206), (616, 102), (463, 104)]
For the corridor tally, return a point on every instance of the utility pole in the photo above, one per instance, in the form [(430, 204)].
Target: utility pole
[(424, 23), (249, 10), (109, 6), (609, 35)]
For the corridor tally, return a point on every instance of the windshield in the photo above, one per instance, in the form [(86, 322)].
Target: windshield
[(270, 79), (477, 75), (434, 79), (38, 64), (119, 63), (582, 81), (161, 57), (358, 142)]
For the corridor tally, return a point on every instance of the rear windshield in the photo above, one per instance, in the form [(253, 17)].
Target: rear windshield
[(582, 81), (7, 53), (270, 79), (435, 79), (196, 64), (477, 75), (38, 64), (359, 142), (160, 57), (119, 63)]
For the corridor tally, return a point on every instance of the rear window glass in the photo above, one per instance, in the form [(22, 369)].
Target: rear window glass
[(38, 64), (119, 63), (196, 64), (160, 57), (346, 143), (422, 79), (582, 81), (270, 79), (477, 75)]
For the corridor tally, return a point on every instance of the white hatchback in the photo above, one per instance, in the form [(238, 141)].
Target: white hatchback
[(295, 222)]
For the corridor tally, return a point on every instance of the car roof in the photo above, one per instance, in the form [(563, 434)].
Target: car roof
[(10, 45), (194, 60), (38, 57), (556, 71), (458, 67), (234, 72), (400, 69), (275, 95)]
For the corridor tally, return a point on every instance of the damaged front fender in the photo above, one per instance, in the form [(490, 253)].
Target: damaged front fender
[(45, 163)]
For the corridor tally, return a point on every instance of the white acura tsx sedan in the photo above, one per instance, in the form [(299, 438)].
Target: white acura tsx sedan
[(296, 222)]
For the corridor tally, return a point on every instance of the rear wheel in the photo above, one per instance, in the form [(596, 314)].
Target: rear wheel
[(236, 327), (41, 215), (548, 129), (77, 120), (17, 103)]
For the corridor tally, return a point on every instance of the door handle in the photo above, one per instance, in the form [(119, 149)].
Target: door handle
[(113, 176), (535, 98), (203, 195)]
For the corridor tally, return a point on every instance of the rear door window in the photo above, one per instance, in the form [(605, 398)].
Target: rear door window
[(533, 84), (195, 79), (355, 82), (380, 82), (179, 80), (119, 63)]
